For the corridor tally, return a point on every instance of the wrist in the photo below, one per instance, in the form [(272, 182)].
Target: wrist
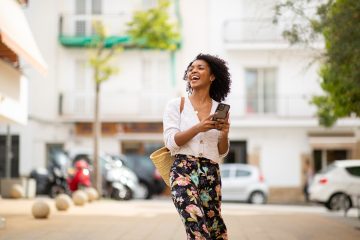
[(223, 136), (196, 129)]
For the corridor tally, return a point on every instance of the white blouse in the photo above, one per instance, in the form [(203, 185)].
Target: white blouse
[(204, 144)]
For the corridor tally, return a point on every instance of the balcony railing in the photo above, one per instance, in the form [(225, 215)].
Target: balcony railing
[(289, 106), (77, 30), (252, 30), (81, 25), (149, 106), (121, 106)]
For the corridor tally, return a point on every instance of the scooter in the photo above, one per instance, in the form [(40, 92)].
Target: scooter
[(52, 180), (79, 176), (119, 182)]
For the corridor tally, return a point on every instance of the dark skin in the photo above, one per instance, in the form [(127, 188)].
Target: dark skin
[(200, 79)]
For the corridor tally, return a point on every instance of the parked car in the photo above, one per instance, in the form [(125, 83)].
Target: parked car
[(242, 182), (337, 186), (149, 177)]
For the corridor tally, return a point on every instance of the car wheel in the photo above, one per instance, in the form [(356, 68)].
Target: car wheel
[(257, 197), (339, 201)]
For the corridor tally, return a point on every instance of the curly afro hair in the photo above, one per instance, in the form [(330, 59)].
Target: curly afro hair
[(220, 87)]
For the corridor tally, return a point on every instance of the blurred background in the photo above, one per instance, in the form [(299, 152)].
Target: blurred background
[(48, 82)]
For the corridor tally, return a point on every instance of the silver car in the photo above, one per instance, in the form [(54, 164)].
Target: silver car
[(242, 182), (337, 186)]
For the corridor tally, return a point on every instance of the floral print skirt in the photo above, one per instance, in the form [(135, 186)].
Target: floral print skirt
[(196, 193)]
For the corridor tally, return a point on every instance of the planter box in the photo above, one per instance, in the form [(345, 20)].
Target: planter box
[(28, 184)]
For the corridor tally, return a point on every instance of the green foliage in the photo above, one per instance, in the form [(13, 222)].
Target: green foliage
[(338, 23), (152, 28), (100, 59)]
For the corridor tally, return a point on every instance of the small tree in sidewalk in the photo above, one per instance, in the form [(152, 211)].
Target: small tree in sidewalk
[(100, 62)]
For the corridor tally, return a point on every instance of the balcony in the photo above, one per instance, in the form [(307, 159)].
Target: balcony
[(77, 30), (149, 106), (286, 106), (115, 106), (258, 34), (253, 33)]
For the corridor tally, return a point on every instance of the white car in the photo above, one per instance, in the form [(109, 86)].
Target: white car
[(242, 182), (338, 186)]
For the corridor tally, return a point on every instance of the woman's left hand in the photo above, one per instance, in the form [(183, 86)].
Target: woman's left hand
[(223, 125)]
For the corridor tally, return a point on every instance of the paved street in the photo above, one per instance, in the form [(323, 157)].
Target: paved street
[(157, 219)]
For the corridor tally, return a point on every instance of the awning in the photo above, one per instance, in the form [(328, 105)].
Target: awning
[(16, 34), (332, 142), (9, 81)]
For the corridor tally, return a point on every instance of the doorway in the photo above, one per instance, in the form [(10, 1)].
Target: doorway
[(14, 171), (52, 148), (237, 152), (325, 157)]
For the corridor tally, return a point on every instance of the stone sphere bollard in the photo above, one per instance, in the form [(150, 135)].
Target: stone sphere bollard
[(79, 197), (62, 202), (92, 194), (17, 191), (40, 209)]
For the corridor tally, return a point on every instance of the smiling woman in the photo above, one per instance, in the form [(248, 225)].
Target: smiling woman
[(198, 143)]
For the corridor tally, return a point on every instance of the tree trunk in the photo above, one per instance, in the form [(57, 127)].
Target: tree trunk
[(97, 135)]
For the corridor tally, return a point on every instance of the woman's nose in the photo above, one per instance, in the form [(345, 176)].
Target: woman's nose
[(193, 70)]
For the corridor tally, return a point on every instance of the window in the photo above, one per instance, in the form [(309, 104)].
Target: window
[(152, 65), (242, 173), (260, 90), (354, 171), (225, 173), (96, 7), (83, 26)]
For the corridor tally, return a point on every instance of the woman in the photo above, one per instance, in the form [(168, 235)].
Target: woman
[(198, 144)]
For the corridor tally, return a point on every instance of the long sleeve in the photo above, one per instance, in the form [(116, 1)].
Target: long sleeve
[(171, 124)]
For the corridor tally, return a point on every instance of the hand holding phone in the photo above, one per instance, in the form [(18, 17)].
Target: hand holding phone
[(221, 111)]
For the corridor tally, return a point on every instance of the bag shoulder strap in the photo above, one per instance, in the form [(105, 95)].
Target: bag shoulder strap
[(182, 104)]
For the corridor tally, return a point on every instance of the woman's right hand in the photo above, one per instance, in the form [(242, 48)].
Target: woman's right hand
[(206, 124)]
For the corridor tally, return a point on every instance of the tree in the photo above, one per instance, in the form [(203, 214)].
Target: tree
[(337, 21), (152, 28), (100, 61)]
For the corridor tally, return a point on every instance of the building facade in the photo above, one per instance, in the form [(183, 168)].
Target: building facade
[(273, 125)]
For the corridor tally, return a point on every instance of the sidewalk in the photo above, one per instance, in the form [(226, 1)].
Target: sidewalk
[(158, 220)]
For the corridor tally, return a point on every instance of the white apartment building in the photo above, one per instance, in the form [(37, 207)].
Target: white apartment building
[(273, 125)]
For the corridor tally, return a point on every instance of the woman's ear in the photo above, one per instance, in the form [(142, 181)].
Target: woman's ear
[(212, 77)]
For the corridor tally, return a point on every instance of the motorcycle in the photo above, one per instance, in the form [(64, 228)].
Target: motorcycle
[(52, 180)]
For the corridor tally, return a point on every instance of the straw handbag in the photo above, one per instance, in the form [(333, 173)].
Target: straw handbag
[(162, 158)]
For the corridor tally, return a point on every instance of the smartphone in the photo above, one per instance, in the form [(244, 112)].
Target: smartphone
[(221, 111)]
